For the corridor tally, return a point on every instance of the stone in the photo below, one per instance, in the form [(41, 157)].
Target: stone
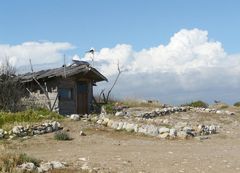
[(46, 167), (29, 166), (164, 130), (136, 128), (182, 134), (105, 121), (17, 129), (75, 117), (49, 129), (110, 122), (1, 133), (57, 165), (39, 170), (165, 121), (120, 126), (55, 125), (212, 129), (229, 113), (142, 129), (99, 121), (152, 130), (130, 127), (120, 113), (163, 135), (124, 125), (82, 133), (103, 111), (219, 112), (173, 132), (114, 125)]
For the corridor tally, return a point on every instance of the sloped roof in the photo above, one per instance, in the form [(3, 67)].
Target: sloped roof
[(67, 71)]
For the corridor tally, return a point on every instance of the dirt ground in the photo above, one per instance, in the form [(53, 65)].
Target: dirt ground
[(113, 151)]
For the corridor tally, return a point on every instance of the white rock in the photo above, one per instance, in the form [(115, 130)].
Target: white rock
[(229, 113), (29, 166), (105, 121), (120, 113), (212, 129), (103, 111), (114, 125), (124, 125), (165, 121), (17, 129), (163, 135), (75, 117), (1, 133), (82, 133), (49, 129), (182, 134), (219, 112), (99, 121), (152, 130), (120, 126), (164, 130), (142, 129), (173, 132), (136, 128), (130, 127), (46, 166), (57, 165), (39, 170), (55, 125)]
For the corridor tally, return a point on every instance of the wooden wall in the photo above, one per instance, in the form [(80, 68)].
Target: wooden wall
[(67, 107)]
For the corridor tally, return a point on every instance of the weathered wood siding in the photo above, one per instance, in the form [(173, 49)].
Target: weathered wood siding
[(67, 106)]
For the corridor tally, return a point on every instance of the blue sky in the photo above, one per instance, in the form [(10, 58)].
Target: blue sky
[(173, 50), (106, 23)]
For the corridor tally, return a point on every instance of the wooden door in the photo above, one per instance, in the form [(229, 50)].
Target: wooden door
[(82, 98)]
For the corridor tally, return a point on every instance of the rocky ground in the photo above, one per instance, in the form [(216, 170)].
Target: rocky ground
[(107, 149)]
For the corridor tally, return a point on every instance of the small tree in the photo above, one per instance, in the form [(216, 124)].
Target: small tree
[(11, 90), (105, 97)]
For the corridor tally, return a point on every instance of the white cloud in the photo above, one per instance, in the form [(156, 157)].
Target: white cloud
[(38, 52), (190, 62), (189, 67)]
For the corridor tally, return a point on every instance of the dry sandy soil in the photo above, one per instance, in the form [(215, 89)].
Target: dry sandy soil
[(113, 151)]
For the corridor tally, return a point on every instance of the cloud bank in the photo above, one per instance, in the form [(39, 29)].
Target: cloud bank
[(39, 52), (189, 67)]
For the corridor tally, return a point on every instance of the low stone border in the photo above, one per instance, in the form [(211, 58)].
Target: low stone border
[(171, 110), (161, 132), (21, 131), (43, 167)]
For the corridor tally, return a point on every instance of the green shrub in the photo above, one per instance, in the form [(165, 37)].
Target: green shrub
[(198, 103), (28, 116), (237, 104), (9, 161), (23, 158), (109, 107), (62, 136)]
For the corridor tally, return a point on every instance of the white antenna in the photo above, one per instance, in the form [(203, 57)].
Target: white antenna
[(92, 51)]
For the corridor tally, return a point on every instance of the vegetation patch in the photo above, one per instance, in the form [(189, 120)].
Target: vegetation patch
[(9, 161), (237, 104), (62, 136), (198, 103), (30, 115)]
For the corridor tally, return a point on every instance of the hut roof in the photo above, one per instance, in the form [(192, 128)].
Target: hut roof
[(67, 71)]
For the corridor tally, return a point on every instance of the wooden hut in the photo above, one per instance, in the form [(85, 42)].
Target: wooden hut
[(68, 89)]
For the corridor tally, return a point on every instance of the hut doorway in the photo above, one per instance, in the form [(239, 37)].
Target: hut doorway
[(82, 98)]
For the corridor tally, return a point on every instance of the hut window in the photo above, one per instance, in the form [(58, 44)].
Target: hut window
[(66, 93)]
